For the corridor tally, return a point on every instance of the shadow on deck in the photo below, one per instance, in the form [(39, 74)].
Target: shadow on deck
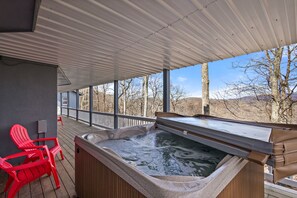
[(44, 187)]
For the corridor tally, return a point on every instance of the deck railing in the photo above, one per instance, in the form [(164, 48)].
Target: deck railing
[(127, 120), (285, 182), (106, 120)]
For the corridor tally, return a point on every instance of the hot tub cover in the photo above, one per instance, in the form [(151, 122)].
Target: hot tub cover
[(274, 144)]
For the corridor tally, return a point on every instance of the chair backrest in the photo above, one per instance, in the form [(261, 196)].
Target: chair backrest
[(20, 137)]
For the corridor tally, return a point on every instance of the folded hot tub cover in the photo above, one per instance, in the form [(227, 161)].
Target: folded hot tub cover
[(274, 144)]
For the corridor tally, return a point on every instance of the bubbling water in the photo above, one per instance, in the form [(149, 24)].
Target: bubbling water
[(162, 153)]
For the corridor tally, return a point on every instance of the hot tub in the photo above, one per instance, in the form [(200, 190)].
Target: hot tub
[(144, 161)]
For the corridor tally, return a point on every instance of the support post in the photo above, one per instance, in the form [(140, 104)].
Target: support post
[(61, 103), (77, 103), (91, 104), (116, 104), (166, 90), (68, 103)]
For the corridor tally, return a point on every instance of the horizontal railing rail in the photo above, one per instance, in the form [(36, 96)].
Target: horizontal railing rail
[(128, 120), (81, 110), (148, 119), (103, 113), (105, 119), (285, 181)]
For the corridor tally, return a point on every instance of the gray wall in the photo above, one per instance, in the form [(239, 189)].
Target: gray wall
[(72, 99), (28, 93)]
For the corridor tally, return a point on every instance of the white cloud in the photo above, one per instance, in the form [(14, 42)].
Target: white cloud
[(181, 79)]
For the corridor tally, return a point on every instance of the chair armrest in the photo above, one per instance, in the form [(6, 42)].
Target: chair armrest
[(32, 147), (38, 147), (28, 165), (47, 139), (21, 154)]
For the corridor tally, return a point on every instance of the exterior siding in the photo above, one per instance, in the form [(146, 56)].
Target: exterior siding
[(28, 94)]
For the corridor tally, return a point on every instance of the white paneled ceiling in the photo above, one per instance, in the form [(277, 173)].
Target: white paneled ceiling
[(95, 42)]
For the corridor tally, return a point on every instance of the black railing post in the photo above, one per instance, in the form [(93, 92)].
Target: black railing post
[(77, 103), (116, 104), (166, 90), (68, 103), (61, 103), (91, 104)]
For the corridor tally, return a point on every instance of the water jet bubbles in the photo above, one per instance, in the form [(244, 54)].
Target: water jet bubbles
[(162, 153)]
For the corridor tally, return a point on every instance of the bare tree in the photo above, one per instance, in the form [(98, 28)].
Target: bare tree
[(84, 99), (96, 98), (271, 80), (177, 93), (155, 93), (104, 89), (134, 97), (101, 93), (205, 89), (124, 86), (130, 96)]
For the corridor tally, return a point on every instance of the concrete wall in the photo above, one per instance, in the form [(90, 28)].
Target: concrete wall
[(28, 93)]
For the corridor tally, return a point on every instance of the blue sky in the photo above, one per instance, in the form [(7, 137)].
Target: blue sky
[(220, 73)]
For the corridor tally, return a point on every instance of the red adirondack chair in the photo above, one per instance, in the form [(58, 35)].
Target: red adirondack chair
[(21, 138), (59, 119), (25, 173)]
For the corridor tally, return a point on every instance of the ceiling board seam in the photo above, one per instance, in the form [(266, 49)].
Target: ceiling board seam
[(115, 26), (219, 26), (264, 5), (235, 10)]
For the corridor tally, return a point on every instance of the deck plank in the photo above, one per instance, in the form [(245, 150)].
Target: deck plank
[(64, 177), (25, 192), (3, 178), (68, 157), (70, 170), (36, 189), (45, 186), (61, 192)]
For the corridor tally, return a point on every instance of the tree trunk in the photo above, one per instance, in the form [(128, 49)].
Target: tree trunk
[(274, 80), (145, 94), (104, 101), (205, 89), (286, 93), (124, 98), (98, 101)]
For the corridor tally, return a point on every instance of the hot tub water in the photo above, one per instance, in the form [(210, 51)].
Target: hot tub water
[(162, 153)]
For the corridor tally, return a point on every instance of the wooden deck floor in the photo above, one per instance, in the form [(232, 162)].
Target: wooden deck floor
[(44, 187)]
